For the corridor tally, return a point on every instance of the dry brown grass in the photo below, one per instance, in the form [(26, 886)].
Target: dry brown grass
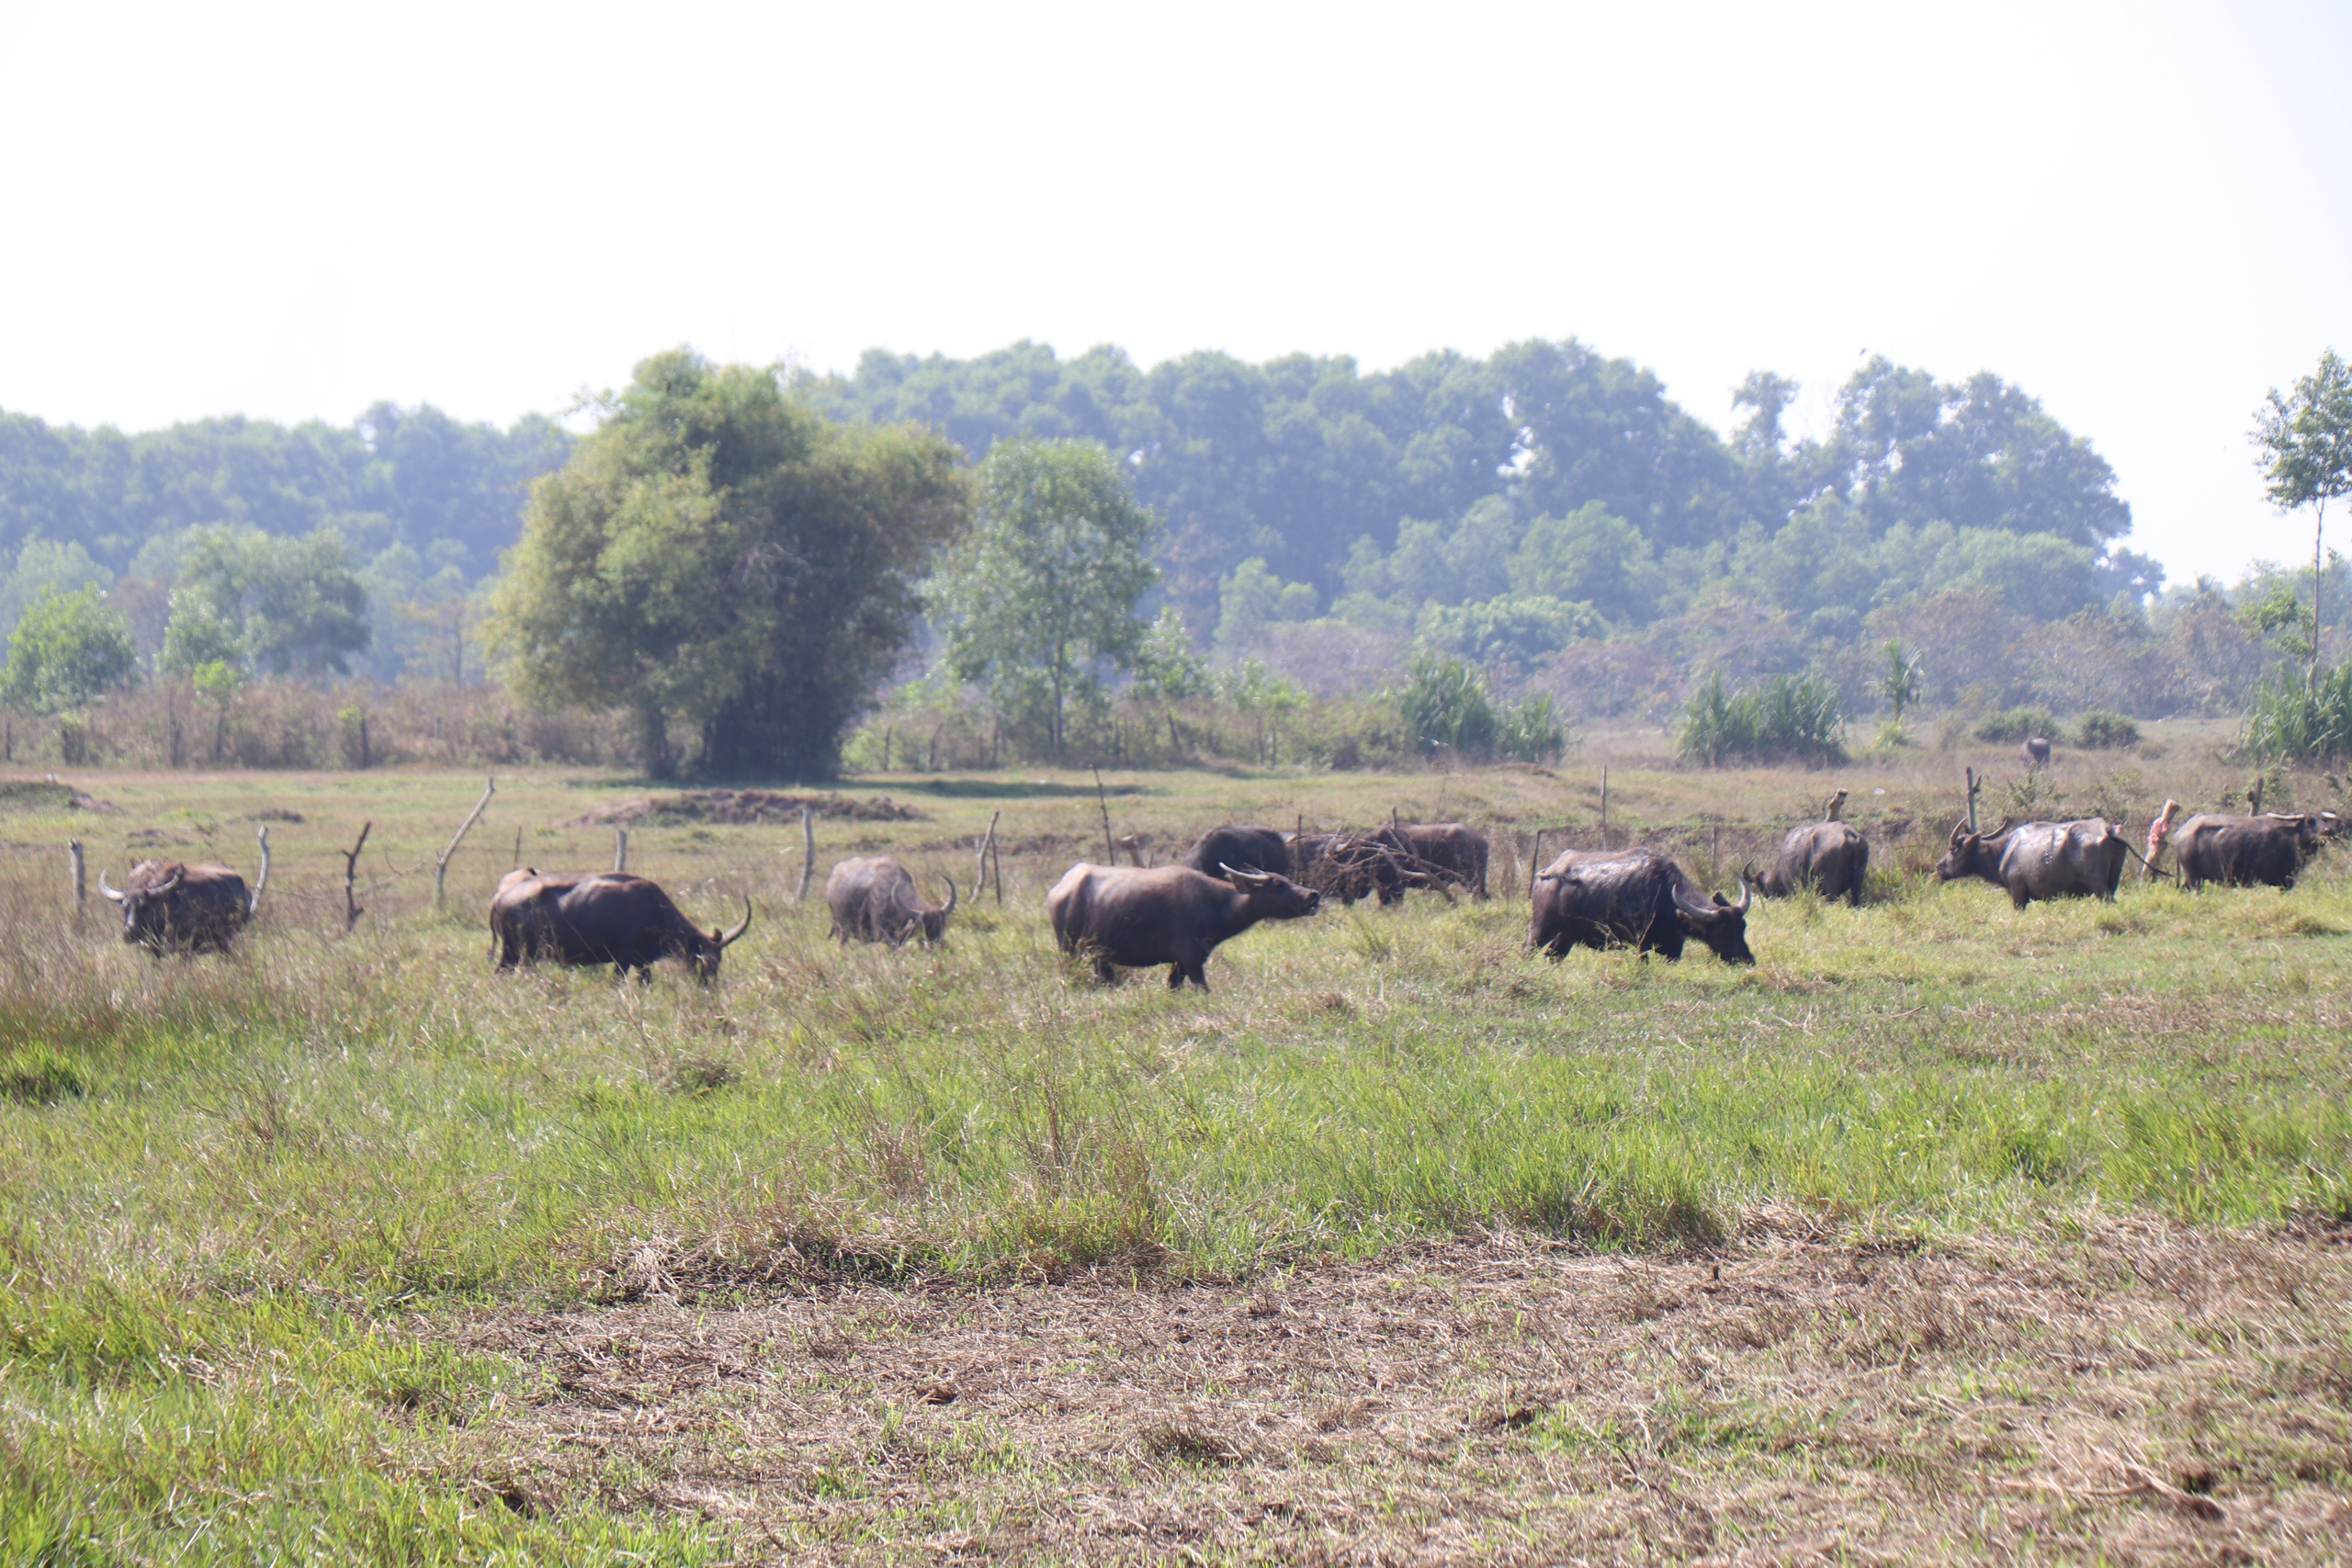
[(2117, 1392)]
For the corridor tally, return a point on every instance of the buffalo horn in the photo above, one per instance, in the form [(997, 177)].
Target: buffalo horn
[(1696, 911), (949, 907), (105, 889), (729, 937), (1747, 896), (174, 881), (1252, 879)]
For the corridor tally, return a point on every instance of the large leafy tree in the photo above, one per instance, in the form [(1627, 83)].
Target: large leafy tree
[(1040, 598), (2305, 438), (258, 602), (67, 651), (718, 553)]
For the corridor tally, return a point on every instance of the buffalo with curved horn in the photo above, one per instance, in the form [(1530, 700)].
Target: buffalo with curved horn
[(1634, 898), (873, 898), (169, 906), (602, 918)]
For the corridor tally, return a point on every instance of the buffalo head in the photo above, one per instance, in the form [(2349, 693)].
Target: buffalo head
[(1273, 897), (1722, 926), (143, 904), (930, 921), (706, 949), (1971, 854)]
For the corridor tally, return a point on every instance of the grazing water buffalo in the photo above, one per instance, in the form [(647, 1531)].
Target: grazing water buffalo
[(585, 920), (2034, 753), (1830, 857), (1443, 853), (2248, 852), (168, 906), (1239, 847), (874, 899), (1124, 917), (1605, 899), (2040, 860)]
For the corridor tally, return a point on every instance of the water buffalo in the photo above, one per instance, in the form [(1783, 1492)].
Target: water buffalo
[(2034, 753), (1444, 853), (1349, 866), (1124, 917), (1240, 848), (874, 899), (168, 906), (1830, 857), (588, 918), (2040, 860), (1589, 898), (2248, 852)]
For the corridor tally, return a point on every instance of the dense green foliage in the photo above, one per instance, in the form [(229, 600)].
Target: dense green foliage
[(1790, 717), (1037, 602), (264, 603), (2016, 724), (412, 477), (1610, 494), (718, 553), (67, 650), (2301, 718), (2101, 731), (1446, 707)]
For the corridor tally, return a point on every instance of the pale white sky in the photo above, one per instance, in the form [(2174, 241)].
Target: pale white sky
[(2137, 213)]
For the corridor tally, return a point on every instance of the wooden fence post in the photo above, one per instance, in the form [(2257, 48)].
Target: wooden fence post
[(620, 849), (351, 909), (1110, 850), (441, 862), (988, 842), (80, 882), (807, 855)]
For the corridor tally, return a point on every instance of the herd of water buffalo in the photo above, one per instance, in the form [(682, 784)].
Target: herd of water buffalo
[(1140, 917)]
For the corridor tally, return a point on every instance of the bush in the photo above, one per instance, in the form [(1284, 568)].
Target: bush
[(1444, 703), (2016, 724), (2291, 720), (37, 1075), (2098, 731), (1791, 716)]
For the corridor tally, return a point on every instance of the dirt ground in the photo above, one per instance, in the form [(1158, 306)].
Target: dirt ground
[(2106, 1392)]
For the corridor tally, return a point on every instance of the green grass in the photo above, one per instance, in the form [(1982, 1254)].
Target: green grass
[(229, 1187)]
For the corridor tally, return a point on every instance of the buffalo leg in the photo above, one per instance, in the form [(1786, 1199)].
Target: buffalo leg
[(1106, 971)]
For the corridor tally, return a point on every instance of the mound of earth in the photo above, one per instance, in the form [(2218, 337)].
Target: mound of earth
[(744, 806), (33, 794)]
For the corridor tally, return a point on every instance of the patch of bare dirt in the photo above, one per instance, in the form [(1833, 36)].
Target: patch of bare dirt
[(738, 807), (2142, 1394)]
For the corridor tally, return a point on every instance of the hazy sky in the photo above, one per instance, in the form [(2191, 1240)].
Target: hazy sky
[(2139, 214)]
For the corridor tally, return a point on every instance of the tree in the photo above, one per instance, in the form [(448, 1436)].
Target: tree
[(283, 606), (2305, 438), (719, 552), (67, 650), (1041, 596)]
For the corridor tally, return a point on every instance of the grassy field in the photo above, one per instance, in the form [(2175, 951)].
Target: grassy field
[(1947, 1231)]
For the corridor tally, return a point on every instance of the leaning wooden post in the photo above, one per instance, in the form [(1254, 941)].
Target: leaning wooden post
[(808, 853), (518, 846), (1604, 808), (351, 909), (441, 862), (1110, 850), (1974, 783), (620, 849), (988, 842), (81, 877)]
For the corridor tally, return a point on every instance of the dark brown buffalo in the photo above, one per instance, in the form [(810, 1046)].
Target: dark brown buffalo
[(1636, 898), (2034, 753), (1349, 866), (873, 898), (2249, 851), (1831, 858), (590, 919), (171, 907), (1447, 853), (2040, 860), (1124, 917), (1240, 847)]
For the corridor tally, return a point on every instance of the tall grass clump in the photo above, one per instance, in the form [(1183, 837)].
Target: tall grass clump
[(2300, 719), (1789, 718), (2101, 731), (2016, 724)]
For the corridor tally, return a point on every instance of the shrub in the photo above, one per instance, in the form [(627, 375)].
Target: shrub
[(2100, 731), (39, 1076), (1444, 703), (2016, 724), (1791, 716), (2292, 719)]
